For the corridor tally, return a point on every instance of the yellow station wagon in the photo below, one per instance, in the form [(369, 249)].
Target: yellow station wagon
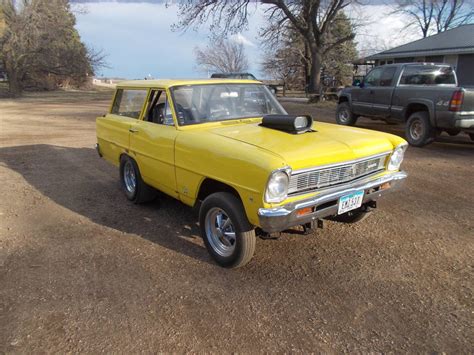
[(228, 147)]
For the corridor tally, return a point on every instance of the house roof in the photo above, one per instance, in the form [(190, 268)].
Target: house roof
[(459, 40)]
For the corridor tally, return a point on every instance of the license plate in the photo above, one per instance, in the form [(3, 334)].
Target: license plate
[(350, 202)]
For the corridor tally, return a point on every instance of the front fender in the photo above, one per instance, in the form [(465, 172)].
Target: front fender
[(244, 167)]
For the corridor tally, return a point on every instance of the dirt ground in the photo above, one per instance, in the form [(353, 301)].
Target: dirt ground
[(83, 270)]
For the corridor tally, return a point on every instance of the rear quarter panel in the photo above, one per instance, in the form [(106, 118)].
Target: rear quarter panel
[(113, 136)]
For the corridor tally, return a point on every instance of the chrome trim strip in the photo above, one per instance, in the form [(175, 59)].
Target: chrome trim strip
[(296, 172), (466, 113), (283, 217), (361, 103)]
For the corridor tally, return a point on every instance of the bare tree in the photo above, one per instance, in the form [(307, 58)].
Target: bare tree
[(222, 55), (97, 59), (311, 18), (435, 15), (452, 13)]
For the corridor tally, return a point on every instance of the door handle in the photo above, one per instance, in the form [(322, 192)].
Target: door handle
[(371, 91), (133, 130)]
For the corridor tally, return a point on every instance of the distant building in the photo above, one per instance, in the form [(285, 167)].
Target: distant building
[(455, 47)]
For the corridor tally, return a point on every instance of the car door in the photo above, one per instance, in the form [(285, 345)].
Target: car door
[(152, 141), (362, 96), (113, 128), (381, 94)]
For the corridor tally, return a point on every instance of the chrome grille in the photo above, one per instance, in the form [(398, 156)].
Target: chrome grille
[(334, 175)]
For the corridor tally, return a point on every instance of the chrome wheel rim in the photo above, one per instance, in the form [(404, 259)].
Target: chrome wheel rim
[(416, 130), (220, 232), (344, 115), (129, 177)]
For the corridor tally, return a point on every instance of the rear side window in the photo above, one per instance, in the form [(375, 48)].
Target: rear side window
[(129, 102), (427, 75), (387, 76)]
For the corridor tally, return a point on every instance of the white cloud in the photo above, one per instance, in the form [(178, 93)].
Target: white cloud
[(241, 39), (380, 29)]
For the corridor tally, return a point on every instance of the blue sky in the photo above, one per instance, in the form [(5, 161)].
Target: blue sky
[(138, 40)]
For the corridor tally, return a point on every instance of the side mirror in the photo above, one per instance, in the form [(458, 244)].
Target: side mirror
[(361, 85)]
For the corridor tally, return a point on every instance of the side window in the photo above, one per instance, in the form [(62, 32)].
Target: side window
[(373, 78), (427, 75), (129, 102), (387, 76), (159, 110)]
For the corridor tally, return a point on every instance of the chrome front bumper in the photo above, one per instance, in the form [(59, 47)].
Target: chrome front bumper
[(325, 204)]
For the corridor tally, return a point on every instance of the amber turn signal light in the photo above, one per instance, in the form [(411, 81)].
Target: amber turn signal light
[(304, 211)]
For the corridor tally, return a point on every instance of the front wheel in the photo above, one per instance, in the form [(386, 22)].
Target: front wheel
[(227, 234), (344, 115)]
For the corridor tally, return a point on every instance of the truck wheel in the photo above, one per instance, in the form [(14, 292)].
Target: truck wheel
[(227, 234), (132, 184), (418, 130), (344, 115)]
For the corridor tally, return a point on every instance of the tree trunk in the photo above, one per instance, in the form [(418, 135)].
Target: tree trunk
[(14, 83), (315, 71)]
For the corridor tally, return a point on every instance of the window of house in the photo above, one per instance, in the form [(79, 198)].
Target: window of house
[(129, 102)]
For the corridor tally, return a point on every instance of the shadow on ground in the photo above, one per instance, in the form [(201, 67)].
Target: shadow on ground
[(77, 179)]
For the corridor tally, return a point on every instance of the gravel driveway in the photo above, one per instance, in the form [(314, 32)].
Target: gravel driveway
[(83, 270)]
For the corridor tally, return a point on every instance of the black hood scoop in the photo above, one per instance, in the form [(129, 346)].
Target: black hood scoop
[(288, 123)]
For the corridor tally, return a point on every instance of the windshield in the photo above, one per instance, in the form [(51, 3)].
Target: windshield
[(220, 102)]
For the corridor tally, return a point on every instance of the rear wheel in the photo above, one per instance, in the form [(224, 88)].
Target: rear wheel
[(227, 234), (418, 130), (132, 184), (344, 115)]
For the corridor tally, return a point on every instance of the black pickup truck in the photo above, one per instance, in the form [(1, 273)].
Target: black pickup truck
[(425, 96)]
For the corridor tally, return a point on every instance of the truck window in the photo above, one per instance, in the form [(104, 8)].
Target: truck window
[(427, 75), (387, 76), (373, 78), (159, 110), (129, 102)]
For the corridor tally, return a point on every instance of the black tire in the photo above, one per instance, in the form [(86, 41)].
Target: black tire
[(471, 135), (351, 217), (418, 130), (344, 115), (228, 251), (142, 192)]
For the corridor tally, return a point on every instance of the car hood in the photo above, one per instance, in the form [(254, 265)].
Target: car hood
[(327, 144)]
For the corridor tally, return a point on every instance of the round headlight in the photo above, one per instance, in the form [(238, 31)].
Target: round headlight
[(397, 157), (277, 187), (301, 122)]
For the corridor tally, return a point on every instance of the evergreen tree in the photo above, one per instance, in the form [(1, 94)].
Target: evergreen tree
[(41, 48)]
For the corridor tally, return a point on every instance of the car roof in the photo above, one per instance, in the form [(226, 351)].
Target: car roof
[(167, 83)]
